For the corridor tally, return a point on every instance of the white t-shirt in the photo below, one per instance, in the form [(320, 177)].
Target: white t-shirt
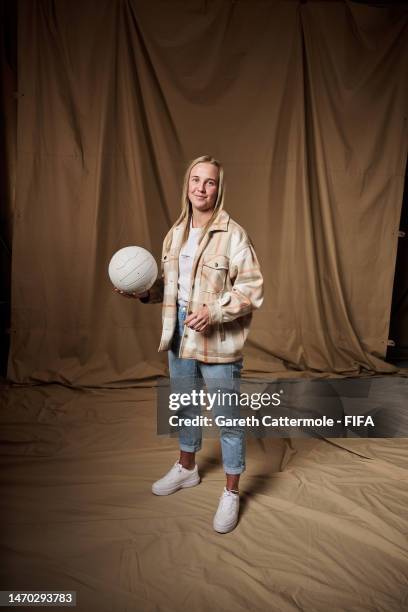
[(186, 259)]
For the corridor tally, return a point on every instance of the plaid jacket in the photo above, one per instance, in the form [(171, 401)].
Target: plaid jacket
[(226, 277)]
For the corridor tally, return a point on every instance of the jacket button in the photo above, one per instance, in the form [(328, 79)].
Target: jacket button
[(216, 264)]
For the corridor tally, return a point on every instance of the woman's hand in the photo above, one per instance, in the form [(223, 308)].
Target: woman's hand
[(199, 320), (131, 294)]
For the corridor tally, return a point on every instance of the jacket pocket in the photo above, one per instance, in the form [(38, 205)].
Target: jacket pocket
[(214, 273)]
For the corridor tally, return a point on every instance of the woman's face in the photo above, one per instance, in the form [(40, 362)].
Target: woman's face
[(203, 186)]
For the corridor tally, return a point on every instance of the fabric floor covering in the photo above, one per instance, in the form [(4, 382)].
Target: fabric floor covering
[(323, 522)]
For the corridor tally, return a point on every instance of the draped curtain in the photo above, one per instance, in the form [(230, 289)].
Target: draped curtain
[(305, 105)]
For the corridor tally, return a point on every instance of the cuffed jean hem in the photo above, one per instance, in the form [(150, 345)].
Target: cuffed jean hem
[(234, 471), (190, 449)]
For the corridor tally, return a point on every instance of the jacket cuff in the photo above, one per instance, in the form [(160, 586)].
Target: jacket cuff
[(215, 311)]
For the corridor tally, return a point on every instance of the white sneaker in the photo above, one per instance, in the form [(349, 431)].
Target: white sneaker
[(226, 516), (177, 478)]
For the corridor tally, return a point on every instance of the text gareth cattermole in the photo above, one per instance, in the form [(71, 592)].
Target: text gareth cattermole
[(223, 398)]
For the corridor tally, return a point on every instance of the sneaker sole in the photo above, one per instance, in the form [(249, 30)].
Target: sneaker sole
[(224, 528), (169, 491)]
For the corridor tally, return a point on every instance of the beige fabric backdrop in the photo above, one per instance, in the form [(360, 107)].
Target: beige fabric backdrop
[(323, 524), (305, 105)]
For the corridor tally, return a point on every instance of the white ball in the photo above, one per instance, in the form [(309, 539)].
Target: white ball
[(133, 269)]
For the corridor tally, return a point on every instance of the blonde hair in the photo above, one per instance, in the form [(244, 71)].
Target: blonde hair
[(186, 211)]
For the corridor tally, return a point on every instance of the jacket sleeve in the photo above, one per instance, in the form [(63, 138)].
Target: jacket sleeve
[(247, 290), (156, 292)]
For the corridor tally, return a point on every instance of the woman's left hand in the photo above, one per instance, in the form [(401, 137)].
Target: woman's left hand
[(199, 320)]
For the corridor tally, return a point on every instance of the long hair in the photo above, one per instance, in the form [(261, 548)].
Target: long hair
[(186, 210)]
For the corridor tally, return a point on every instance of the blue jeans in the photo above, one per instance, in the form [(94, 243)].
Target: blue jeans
[(188, 373)]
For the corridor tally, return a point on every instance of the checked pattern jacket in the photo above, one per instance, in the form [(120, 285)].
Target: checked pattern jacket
[(226, 277)]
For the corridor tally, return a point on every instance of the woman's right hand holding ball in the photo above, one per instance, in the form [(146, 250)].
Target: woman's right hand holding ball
[(131, 294)]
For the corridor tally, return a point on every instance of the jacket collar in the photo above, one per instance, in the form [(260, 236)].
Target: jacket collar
[(220, 222)]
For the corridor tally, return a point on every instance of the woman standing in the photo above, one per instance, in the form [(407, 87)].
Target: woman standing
[(211, 282)]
